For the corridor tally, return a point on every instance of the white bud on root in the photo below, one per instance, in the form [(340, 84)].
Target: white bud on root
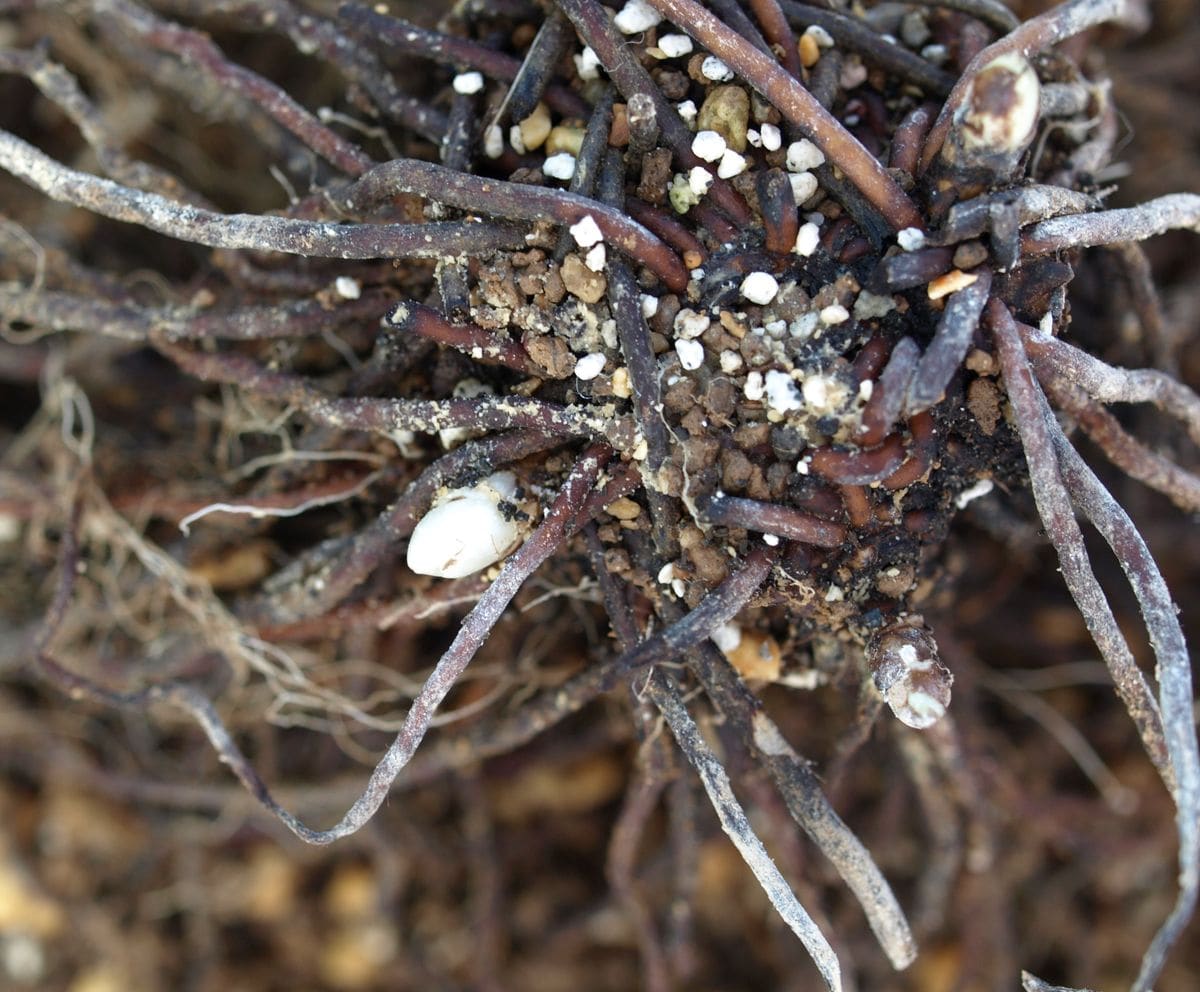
[(909, 675), (1000, 114), (468, 529)]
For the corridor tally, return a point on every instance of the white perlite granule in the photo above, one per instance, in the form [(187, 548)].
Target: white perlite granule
[(803, 155), (782, 394), (635, 17), (804, 185), (732, 164), (468, 83), (586, 232), (691, 354), (807, 239), (708, 145), (699, 179), (589, 366), (716, 70), (347, 288), (675, 45), (560, 166), (690, 324), (911, 239), (818, 34), (493, 142), (834, 314), (587, 64), (596, 257), (760, 287), (753, 389)]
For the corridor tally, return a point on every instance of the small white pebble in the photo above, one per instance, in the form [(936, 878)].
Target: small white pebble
[(649, 305), (772, 137), (675, 45), (586, 232), (596, 257), (587, 64), (691, 354), (776, 328), (493, 142), (708, 145), (782, 394), (732, 164), (972, 493), (679, 588), (699, 179), (834, 595), (911, 239), (818, 34), (937, 54), (803, 155), (560, 166), (804, 185), (834, 314), (807, 239), (716, 70), (347, 288), (635, 17), (770, 540), (589, 366), (760, 287), (727, 637), (666, 573), (753, 138), (687, 110), (731, 362), (517, 139), (689, 324), (696, 274), (866, 389), (468, 83), (753, 389), (802, 465)]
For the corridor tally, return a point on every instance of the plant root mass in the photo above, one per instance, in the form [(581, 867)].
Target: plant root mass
[(606, 424)]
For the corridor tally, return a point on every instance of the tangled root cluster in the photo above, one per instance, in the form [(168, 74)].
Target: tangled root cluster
[(713, 318)]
